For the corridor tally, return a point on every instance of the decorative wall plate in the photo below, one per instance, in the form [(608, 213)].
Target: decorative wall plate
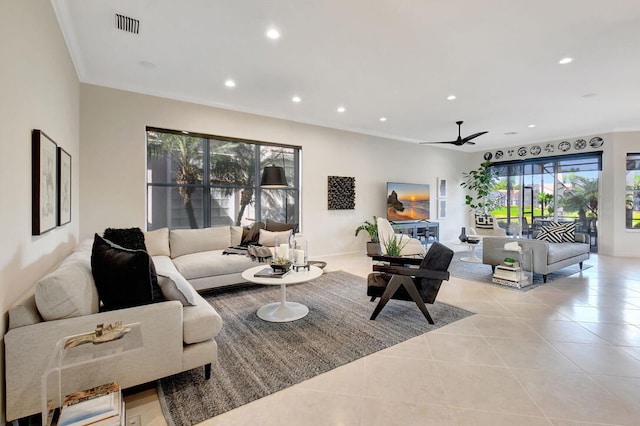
[(522, 151), (596, 142), (549, 147), (564, 146), (499, 154), (510, 153), (580, 144), (535, 150), (488, 156)]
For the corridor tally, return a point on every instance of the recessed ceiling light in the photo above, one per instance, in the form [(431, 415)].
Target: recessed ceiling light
[(296, 99), (273, 34), (185, 132), (383, 119), (565, 61), (341, 109), (511, 133), (531, 126), (230, 83), (451, 97)]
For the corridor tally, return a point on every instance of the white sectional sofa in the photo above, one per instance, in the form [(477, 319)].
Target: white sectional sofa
[(178, 334)]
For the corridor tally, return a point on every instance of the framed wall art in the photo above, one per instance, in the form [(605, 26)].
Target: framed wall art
[(64, 187), (442, 188), (44, 183), (341, 193), (442, 209)]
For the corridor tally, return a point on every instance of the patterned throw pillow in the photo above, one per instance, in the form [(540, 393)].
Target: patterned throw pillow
[(484, 222), (558, 233)]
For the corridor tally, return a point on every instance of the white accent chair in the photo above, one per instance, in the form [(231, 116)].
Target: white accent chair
[(410, 246), (485, 226)]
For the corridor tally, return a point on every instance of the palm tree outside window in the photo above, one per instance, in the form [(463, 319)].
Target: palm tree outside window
[(196, 181)]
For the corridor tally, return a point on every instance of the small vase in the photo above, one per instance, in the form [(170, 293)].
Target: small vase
[(463, 235)]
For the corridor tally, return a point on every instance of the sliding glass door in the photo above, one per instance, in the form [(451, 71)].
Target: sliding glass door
[(553, 189)]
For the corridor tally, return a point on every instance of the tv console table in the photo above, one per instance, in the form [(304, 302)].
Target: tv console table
[(430, 231)]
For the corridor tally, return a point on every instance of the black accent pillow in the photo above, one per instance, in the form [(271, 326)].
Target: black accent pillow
[(124, 277), (131, 238)]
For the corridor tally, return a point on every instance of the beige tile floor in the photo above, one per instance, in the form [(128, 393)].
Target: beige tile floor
[(563, 354)]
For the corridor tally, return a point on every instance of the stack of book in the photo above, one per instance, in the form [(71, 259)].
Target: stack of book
[(270, 273), (99, 406), (509, 275)]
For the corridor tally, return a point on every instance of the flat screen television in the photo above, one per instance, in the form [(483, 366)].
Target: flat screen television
[(407, 201)]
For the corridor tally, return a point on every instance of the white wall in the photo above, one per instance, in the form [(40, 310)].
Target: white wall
[(39, 90), (625, 242), (613, 238), (113, 164)]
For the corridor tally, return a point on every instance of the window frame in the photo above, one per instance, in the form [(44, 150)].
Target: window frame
[(207, 186)]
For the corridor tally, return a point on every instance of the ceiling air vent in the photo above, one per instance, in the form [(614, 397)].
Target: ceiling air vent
[(127, 24)]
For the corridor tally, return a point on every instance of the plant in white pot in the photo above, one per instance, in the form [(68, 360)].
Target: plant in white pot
[(371, 228)]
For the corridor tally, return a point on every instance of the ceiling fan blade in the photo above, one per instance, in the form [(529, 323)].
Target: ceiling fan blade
[(425, 143), (473, 136), (460, 141)]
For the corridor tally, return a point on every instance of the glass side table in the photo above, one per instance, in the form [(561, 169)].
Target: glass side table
[(67, 368), (518, 275)]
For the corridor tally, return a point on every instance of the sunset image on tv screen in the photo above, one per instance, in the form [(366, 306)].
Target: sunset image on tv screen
[(407, 201)]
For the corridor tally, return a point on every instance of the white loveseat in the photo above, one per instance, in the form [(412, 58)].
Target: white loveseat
[(177, 334)]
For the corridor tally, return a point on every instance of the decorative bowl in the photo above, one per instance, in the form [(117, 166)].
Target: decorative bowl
[(280, 267), (472, 240)]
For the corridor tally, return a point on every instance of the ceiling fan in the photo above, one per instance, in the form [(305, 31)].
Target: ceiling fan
[(461, 141)]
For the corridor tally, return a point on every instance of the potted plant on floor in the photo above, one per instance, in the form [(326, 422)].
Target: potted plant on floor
[(480, 182), (371, 228)]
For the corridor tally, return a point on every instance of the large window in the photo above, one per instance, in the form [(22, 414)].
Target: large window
[(197, 181), (563, 188), (632, 195)]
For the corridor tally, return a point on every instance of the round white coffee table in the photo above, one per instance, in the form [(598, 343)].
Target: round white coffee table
[(282, 311)]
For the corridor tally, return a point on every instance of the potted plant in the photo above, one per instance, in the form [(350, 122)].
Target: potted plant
[(371, 228), (394, 247), (480, 182), (509, 261)]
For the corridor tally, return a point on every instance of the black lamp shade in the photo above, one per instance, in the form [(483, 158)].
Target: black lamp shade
[(273, 177)]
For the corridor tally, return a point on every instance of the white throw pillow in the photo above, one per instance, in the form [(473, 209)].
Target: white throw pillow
[(69, 291), (236, 235), (157, 242), (268, 238), (172, 284)]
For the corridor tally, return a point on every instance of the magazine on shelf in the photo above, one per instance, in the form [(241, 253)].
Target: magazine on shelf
[(91, 406), (270, 273)]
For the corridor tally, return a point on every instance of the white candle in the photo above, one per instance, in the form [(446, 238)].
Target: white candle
[(284, 251), (299, 257)]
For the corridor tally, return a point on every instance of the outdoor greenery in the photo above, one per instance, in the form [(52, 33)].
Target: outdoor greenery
[(186, 154), (583, 197), (216, 178), (546, 202)]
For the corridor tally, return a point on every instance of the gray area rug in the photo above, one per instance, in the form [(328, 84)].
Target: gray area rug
[(481, 272), (257, 358)]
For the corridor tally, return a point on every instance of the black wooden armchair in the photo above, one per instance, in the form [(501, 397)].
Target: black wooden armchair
[(398, 280)]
